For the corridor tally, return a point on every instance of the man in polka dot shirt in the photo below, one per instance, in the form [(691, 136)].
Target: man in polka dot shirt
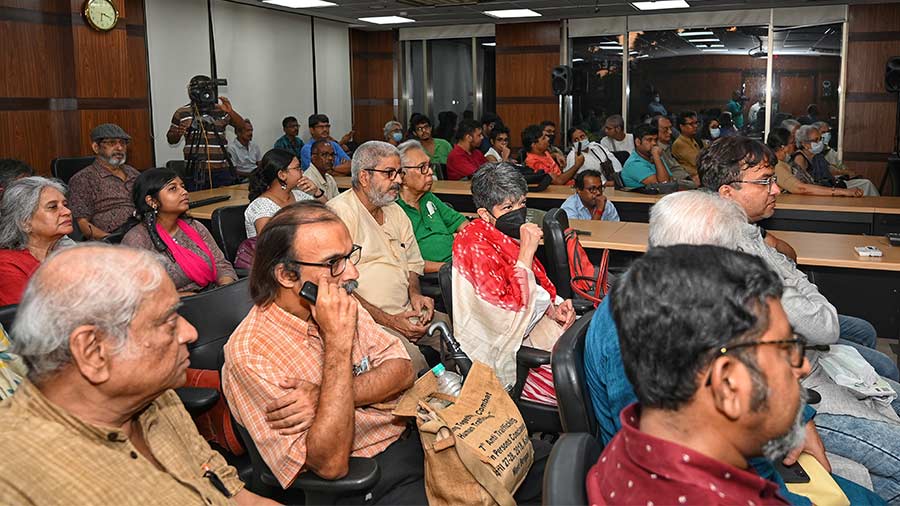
[(707, 372)]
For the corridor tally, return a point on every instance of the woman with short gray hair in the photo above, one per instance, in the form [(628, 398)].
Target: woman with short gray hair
[(502, 297), (393, 132), (34, 221)]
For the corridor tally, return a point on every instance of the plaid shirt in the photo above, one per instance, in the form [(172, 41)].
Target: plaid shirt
[(271, 345)]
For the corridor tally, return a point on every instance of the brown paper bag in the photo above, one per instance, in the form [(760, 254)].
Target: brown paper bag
[(477, 451)]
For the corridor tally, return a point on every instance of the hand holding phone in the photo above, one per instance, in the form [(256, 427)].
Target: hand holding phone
[(334, 310)]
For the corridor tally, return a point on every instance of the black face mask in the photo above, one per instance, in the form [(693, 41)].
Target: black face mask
[(511, 222)]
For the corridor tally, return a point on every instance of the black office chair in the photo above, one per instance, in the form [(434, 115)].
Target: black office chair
[(114, 238), (575, 408), (554, 225), (8, 316), (228, 229), (572, 457), (538, 417), (622, 156), (429, 286), (64, 168)]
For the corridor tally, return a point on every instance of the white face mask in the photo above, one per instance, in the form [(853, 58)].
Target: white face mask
[(582, 145), (817, 147), (656, 99), (715, 133), (826, 137)]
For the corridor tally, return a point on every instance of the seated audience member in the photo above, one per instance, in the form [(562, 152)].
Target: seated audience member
[(502, 297), (830, 154), (536, 146), (434, 223), (465, 158), (279, 182), (438, 149), (97, 421), (549, 129), (663, 126), (446, 127), (791, 125), (736, 108), (12, 170), (794, 179), (586, 155), (809, 156), (712, 130), (812, 115), (393, 132), (320, 168), (12, 368), (35, 222), (320, 128), (655, 107), (391, 261), (188, 251), (760, 104), (645, 165), (616, 139), (290, 141), (489, 121), (726, 125), (687, 146), (245, 153), (100, 194), (499, 145), (589, 203)]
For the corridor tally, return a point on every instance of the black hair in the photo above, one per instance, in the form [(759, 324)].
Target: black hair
[(316, 144), (530, 135), (546, 123), (723, 161), (654, 121), (726, 120), (150, 183), (490, 117), (677, 305), (285, 121), (466, 127), (571, 131), (579, 178), (644, 130), (12, 169), (812, 109), (272, 162), (415, 120), (499, 129), (684, 116), (778, 138), (315, 119)]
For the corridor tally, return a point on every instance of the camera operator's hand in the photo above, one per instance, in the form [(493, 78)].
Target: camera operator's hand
[(347, 137), (226, 105)]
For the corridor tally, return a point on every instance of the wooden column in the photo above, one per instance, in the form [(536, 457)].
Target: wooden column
[(61, 78), (372, 82)]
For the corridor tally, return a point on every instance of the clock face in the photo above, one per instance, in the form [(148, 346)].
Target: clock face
[(101, 14)]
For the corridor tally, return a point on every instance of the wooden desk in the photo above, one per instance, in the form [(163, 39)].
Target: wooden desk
[(238, 193)]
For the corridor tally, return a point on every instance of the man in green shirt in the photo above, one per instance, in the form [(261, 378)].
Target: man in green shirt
[(434, 222)]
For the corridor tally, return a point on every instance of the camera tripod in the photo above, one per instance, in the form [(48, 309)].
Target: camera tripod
[(194, 161)]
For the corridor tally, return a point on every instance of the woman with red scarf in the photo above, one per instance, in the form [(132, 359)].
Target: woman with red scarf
[(502, 297), (191, 257)]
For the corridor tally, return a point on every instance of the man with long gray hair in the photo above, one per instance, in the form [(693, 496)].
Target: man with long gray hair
[(97, 422), (391, 261)]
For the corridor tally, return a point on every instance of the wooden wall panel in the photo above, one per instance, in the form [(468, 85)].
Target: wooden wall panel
[(100, 63), (36, 60), (372, 82)]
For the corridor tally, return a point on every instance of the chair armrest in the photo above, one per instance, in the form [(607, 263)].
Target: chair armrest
[(582, 306), (197, 400), (242, 273), (532, 357), (362, 475)]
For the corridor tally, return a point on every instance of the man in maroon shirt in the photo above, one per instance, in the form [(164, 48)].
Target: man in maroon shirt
[(465, 158), (717, 376)]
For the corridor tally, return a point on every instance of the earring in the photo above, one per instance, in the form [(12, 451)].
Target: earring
[(283, 185)]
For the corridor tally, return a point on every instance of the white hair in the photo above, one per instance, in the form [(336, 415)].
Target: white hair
[(697, 217), (367, 157), (104, 288), (20, 202), (405, 147), (819, 125), (804, 134), (390, 125), (790, 124)]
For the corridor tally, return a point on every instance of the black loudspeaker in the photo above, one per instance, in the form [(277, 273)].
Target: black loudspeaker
[(561, 80), (892, 75)]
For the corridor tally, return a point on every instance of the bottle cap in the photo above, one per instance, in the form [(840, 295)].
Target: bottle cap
[(438, 369)]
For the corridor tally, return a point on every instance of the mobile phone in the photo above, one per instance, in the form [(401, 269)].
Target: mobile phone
[(868, 251), (894, 238), (309, 291), (793, 473)]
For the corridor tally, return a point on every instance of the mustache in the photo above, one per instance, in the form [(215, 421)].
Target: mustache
[(350, 286)]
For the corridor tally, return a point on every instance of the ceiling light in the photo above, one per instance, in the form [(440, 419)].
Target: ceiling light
[(513, 13), (701, 45), (577, 60), (608, 43), (704, 40), (387, 20), (644, 56), (611, 48), (715, 50), (300, 4), (489, 44), (717, 45), (660, 4), (695, 34)]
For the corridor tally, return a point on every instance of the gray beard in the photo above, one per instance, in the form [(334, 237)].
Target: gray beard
[(380, 199), (115, 162), (777, 449)]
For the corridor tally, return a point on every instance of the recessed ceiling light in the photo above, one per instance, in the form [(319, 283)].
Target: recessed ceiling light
[(611, 48), (387, 20), (644, 56), (576, 60), (489, 44), (715, 50), (701, 45), (718, 45), (300, 4), (704, 40), (513, 13), (660, 4), (694, 34), (609, 43)]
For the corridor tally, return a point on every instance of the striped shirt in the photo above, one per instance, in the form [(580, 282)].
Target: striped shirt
[(184, 116), (271, 345), (52, 457)]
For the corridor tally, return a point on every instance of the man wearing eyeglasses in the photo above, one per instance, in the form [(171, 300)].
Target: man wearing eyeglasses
[(434, 222), (100, 194), (320, 128), (391, 261), (589, 203), (687, 146), (319, 171)]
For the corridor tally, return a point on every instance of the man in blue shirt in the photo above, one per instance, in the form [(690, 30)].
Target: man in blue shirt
[(645, 165), (589, 203), (320, 128), (291, 140)]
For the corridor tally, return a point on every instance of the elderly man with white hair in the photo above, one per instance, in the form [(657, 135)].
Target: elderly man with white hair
[(97, 422)]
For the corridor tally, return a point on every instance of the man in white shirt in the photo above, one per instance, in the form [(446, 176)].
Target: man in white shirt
[(319, 171), (616, 139), (245, 153), (754, 109)]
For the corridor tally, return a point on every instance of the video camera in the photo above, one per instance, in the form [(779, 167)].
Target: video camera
[(204, 92)]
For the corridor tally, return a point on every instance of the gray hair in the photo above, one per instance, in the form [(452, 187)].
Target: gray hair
[(90, 284), (495, 183), (697, 217), (804, 134), (616, 120), (407, 146), (790, 124), (390, 126), (819, 125), (20, 202), (367, 157)]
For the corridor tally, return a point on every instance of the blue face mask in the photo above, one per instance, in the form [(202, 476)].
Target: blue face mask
[(826, 138), (397, 136), (817, 147), (715, 133)]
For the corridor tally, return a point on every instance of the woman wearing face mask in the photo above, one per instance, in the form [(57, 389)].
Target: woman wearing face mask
[(712, 130), (587, 155), (837, 167), (809, 157), (793, 179), (393, 133), (502, 297)]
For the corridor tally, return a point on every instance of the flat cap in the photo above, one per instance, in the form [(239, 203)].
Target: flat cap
[(108, 131)]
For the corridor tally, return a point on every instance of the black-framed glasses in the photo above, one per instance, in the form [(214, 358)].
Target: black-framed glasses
[(391, 173), (114, 142), (422, 128), (795, 347), (337, 265), (326, 154), (594, 189), (769, 181), (423, 168)]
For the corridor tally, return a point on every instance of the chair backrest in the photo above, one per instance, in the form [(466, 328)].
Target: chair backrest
[(622, 156), (64, 168), (259, 466), (8, 316), (228, 229), (215, 314), (572, 457), (576, 411), (555, 223), (114, 238), (445, 280)]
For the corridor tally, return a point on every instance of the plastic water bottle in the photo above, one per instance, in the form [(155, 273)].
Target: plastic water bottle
[(449, 382)]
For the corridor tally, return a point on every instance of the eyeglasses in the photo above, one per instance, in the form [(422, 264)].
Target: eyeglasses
[(114, 142), (769, 181), (691, 123), (337, 265), (795, 347), (391, 173), (423, 168), (594, 189), (502, 140), (324, 155), (423, 128)]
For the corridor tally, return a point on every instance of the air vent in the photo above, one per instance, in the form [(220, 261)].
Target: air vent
[(437, 3)]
